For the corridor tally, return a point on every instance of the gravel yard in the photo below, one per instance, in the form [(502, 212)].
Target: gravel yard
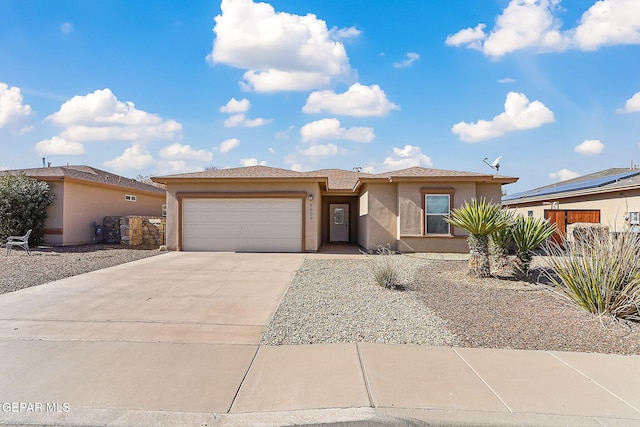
[(46, 264), (338, 301)]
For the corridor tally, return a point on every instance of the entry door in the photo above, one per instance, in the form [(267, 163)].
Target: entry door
[(339, 227)]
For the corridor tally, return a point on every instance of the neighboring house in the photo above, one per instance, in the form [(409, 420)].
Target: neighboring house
[(84, 195), (260, 208), (610, 197)]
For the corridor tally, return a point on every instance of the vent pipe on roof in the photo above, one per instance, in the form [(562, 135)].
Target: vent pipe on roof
[(43, 160)]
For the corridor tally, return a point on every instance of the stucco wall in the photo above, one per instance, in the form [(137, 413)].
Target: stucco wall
[(311, 208), (491, 192), (411, 209), (86, 203), (55, 215), (381, 219), (613, 207)]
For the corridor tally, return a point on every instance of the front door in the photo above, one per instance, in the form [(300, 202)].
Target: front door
[(339, 225)]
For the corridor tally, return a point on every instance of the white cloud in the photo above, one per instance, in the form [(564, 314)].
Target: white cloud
[(12, 109), (407, 157), (59, 146), (285, 134), (237, 109), (589, 147), (99, 116), (609, 22), (532, 24), (281, 51), (229, 144), (331, 129), (506, 80), (345, 33), (135, 157), (563, 175), (359, 101), (170, 167), (252, 162), (320, 150), (411, 57), (272, 80), (234, 121), (234, 106), (632, 105), (469, 36), (519, 113), (66, 28), (178, 151), (271, 150), (241, 120)]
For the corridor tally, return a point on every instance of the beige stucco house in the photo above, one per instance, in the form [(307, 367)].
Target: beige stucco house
[(261, 208), (84, 195), (610, 197)]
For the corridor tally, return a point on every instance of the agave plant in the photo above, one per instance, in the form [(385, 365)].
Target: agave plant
[(480, 219), (528, 234)]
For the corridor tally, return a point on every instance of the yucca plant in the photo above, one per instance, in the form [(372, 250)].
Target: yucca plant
[(600, 274), (500, 241), (480, 219), (528, 234)]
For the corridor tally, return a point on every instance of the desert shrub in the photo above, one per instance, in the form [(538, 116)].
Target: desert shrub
[(479, 219), (385, 268), (599, 273), (528, 234), (23, 206)]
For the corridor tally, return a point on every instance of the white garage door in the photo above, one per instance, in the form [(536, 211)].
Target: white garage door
[(249, 225)]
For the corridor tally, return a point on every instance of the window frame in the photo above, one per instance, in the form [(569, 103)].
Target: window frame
[(436, 192)]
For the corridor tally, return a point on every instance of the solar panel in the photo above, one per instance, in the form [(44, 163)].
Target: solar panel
[(582, 185)]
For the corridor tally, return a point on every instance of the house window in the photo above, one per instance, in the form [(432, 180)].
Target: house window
[(530, 214), (130, 198), (436, 210)]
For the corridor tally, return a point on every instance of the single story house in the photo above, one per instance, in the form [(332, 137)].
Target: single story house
[(260, 208), (610, 197), (84, 195)]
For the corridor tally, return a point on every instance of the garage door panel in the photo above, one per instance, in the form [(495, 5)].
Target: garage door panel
[(253, 225)]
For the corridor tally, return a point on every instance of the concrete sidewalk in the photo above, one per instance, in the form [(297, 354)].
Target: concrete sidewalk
[(174, 339)]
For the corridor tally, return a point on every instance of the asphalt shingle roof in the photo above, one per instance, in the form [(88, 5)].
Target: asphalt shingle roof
[(89, 174), (337, 179)]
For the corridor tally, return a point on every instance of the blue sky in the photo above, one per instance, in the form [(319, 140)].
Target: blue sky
[(153, 88)]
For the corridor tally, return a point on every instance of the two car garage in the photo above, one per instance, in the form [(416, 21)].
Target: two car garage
[(264, 224)]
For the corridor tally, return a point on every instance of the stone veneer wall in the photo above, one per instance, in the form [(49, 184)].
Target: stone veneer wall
[(134, 230), (111, 229)]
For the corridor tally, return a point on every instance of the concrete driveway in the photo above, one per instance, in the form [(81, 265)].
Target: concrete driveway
[(176, 332), (174, 339)]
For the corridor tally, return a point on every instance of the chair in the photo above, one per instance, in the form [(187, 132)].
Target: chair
[(22, 241)]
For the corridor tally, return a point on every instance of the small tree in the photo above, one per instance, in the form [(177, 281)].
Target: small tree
[(480, 220), (23, 206)]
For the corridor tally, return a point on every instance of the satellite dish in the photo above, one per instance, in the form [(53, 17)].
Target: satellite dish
[(495, 164)]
